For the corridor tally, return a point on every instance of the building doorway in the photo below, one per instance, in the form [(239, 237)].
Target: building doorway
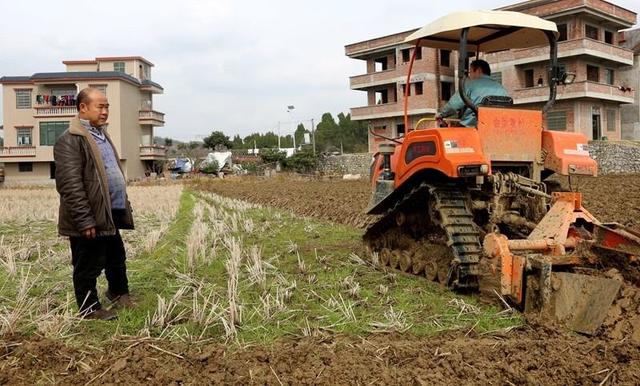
[(595, 125), (52, 170)]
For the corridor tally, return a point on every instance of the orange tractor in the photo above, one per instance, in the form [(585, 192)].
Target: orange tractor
[(457, 201)]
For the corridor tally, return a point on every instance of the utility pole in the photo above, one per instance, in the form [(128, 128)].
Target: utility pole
[(313, 136), (290, 109), (278, 135)]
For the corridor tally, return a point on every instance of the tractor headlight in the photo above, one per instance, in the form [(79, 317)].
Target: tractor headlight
[(484, 169)]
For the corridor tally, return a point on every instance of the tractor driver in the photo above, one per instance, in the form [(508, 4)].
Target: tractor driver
[(480, 85)]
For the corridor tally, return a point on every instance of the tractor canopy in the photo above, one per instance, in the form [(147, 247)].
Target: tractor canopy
[(489, 31)]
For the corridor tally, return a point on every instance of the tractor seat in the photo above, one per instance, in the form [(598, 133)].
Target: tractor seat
[(496, 100)]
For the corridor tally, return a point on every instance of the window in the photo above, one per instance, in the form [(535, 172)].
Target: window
[(400, 129), (406, 55), (497, 77), (557, 120), (24, 137), (593, 73), (146, 105), (380, 64), (50, 131), (528, 78), (608, 37), (610, 76), (446, 90), (118, 66), (591, 32), (419, 54), (101, 87), (404, 90), (562, 30), (445, 58), (382, 97), (23, 99), (25, 167), (418, 88), (611, 120)]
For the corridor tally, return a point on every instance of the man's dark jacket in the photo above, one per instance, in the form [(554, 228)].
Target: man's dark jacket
[(82, 183)]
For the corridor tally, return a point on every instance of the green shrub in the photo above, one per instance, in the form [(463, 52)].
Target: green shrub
[(303, 161)]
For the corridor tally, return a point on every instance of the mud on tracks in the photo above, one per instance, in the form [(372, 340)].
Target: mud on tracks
[(530, 357)]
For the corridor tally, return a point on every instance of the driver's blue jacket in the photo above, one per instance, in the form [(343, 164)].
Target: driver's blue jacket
[(476, 90)]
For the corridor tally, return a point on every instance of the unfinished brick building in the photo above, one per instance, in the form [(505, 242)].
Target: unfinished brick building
[(588, 46)]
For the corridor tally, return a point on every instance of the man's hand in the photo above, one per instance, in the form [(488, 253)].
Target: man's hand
[(89, 233)]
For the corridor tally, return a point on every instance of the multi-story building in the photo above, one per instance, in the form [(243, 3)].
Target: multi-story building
[(630, 77), (37, 110), (589, 47), (387, 59)]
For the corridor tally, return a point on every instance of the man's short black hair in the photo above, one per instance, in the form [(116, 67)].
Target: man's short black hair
[(84, 96), (482, 65)]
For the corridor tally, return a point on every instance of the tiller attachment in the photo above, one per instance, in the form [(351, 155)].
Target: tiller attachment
[(535, 273)]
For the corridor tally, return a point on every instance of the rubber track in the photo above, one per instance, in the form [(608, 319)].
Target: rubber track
[(462, 235), (457, 222)]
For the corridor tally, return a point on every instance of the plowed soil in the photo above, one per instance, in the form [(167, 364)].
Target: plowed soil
[(533, 356), (614, 198)]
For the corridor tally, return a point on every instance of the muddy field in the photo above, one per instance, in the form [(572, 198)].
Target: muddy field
[(535, 354), (531, 356), (610, 198)]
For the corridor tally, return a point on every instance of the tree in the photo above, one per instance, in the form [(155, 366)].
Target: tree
[(237, 142), (299, 134), (327, 133), (217, 140), (168, 142)]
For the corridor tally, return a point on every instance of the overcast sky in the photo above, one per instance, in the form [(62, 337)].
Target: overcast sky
[(225, 65)]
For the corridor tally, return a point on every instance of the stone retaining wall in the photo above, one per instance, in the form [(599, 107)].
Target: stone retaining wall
[(616, 157), (346, 164)]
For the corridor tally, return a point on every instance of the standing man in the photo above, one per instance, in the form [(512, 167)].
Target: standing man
[(480, 85), (93, 205)]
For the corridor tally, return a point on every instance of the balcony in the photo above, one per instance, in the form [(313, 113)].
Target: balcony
[(152, 152), (55, 111), (18, 151), (150, 86), (394, 109), (577, 47), (151, 117), (360, 82), (583, 89)]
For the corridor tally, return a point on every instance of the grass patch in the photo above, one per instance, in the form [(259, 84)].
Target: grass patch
[(227, 270)]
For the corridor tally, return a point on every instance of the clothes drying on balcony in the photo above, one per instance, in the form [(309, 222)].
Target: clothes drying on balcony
[(56, 100)]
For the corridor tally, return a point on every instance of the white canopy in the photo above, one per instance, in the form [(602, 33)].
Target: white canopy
[(489, 31)]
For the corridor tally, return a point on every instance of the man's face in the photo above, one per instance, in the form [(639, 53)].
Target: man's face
[(475, 73), (96, 111)]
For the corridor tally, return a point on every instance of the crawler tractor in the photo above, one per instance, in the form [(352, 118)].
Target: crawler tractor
[(457, 204)]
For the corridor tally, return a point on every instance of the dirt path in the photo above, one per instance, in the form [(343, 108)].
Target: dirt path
[(527, 357)]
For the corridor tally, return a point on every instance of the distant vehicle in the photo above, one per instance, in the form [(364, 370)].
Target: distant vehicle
[(182, 165)]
